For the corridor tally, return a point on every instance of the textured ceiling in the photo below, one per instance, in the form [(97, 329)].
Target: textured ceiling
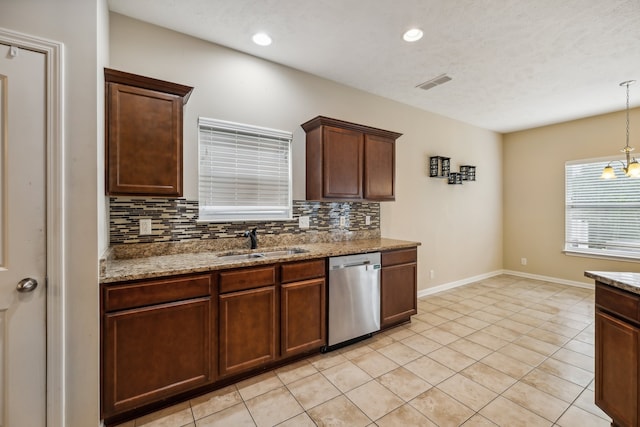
[(515, 64)]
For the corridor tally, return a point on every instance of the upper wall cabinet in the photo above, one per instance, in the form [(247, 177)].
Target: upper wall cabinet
[(143, 135), (347, 161)]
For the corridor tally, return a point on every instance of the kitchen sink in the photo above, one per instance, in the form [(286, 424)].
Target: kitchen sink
[(239, 257), (235, 256), (284, 252)]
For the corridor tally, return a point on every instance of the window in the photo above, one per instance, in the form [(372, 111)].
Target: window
[(244, 173), (602, 216)]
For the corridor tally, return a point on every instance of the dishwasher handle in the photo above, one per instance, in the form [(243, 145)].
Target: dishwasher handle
[(366, 264)]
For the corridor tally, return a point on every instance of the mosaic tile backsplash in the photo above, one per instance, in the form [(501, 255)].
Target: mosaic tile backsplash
[(175, 220)]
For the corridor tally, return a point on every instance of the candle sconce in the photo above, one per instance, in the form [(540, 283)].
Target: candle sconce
[(455, 178), (440, 167), (468, 172)]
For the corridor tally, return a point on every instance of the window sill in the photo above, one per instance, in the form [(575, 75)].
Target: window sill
[(622, 258)]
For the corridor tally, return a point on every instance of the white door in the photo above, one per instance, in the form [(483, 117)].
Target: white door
[(22, 237)]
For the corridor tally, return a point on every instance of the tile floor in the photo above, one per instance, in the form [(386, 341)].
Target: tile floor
[(504, 351)]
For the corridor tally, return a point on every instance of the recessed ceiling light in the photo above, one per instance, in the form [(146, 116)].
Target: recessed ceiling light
[(412, 35), (261, 39)]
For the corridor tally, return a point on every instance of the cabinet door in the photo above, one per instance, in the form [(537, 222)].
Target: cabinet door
[(617, 369), (379, 168), (303, 325), (247, 329), (398, 294), (144, 141), (342, 154), (155, 352)]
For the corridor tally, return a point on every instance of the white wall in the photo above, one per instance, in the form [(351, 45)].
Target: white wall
[(102, 53), (460, 227), (74, 23)]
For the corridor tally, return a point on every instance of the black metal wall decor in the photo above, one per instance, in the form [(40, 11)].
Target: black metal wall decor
[(455, 178), (440, 167), (468, 172)]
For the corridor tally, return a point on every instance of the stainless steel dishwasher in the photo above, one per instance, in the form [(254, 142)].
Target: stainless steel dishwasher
[(354, 297)]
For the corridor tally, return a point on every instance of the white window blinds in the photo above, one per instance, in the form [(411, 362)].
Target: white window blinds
[(602, 216), (244, 172)]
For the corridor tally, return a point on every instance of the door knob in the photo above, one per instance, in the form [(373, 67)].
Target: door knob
[(27, 285)]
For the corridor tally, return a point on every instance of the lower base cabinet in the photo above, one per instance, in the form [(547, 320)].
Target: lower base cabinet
[(247, 337), (617, 353), (270, 313), (398, 287), (147, 356), (302, 317), (167, 337)]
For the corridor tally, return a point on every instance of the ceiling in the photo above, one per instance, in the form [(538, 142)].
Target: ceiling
[(514, 64)]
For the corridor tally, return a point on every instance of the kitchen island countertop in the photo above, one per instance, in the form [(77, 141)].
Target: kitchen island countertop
[(627, 281), (119, 270)]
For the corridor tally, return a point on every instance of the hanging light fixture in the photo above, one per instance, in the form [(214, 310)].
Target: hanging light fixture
[(632, 168)]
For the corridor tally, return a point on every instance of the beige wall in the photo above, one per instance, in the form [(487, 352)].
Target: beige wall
[(76, 23), (460, 227), (534, 192)]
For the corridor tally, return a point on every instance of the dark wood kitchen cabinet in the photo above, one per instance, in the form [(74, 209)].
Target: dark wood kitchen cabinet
[(143, 135), (347, 161), (379, 168), (248, 307), (261, 307), (617, 355), (158, 340), (302, 307), (398, 286)]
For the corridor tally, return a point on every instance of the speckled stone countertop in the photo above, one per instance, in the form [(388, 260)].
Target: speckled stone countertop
[(626, 281), (118, 269)]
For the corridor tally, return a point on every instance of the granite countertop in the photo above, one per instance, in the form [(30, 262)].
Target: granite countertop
[(626, 281), (115, 269)]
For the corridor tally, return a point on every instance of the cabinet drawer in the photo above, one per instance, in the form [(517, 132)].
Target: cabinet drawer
[(617, 301), (157, 291), (303, 270), (402, 256), (247, 278)]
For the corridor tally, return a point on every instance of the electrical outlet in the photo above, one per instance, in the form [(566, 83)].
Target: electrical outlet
[(432, 274), (343, 221), (145, 226), (523, 261), (303, 222), (367, 220)]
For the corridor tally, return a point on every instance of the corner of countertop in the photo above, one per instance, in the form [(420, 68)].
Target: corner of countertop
[(625, 280), (107, 255)]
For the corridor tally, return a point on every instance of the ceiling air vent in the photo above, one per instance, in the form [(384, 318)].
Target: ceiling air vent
[(436, 81)]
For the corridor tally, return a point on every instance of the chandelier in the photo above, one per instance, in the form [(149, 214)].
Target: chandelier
[(632, 167)]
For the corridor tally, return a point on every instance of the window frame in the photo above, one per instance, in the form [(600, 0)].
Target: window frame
[(211, 213), (575, 246)]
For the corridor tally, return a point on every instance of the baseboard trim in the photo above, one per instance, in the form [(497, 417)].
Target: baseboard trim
[(462, 282), (549, 279), (457, 283)]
